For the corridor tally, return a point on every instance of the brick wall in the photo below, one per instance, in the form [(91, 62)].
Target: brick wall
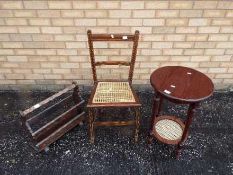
[(44, 42)]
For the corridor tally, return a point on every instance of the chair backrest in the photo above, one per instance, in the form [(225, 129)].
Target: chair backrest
[(113, 37)]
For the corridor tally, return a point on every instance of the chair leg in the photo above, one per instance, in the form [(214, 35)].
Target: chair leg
[(91, 126), (178, 151), (137, 117)]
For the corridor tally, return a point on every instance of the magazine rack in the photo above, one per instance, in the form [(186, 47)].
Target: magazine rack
[(51, 118)]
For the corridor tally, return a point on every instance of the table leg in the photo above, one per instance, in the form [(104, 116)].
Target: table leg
[(188, 122), (137, 116), (155, 112)]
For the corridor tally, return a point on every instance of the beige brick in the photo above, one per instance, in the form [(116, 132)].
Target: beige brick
[(218, 37), (229, 14), (67, 51), (143, 30), (163, 30), (5, 70), (159, 45), (224, 76), (51, 30), (35, 4), (24, 52), (226, 29), (12, 45), (153, 37), (197, 37), (6, 13), (75, 44), (149, 64), (189, 64), (183, 45), (27, 29), (119, 13), (33, 45), (25, 13), (108, 4), (62, 22), (224, 45), (85, 22), (143, 13), (11, 5), (81, 37), (61, 71), (156, 4), (172, 51), (230, 70), (214, 51), (37, 58), (69, 65), (108, 22), (59, 4), (84, 4), (221, 22), (124, 29), (6, 52), (49, 65), (221, 58), (167, 13), (78, 58), (231, 37), (16, 21), (30, 82), (72, 13), (214, 13), (74, 30), (200, 58), (49, 13), (159, 58), (180, 58), (34, 76), (174, 37), (181, 4), (10, 65), (217, 70), (176, 22), (52, 76), (20, 37), (193, 51), (14, 76), (150, 52), (58, 58), (225, 5), (116, 45), (226, 64), (2, 58), (208, 29), (17, 58), (41, 71), (186, 29), (191, 13), (4, 29), (22, 71), (39, 22), (131, 22), (199, 22), (42, 37), (153, 22), (209, 64), (64, 37), (205, 4), (204, 45), (4, 37), (132, 5), (29, 65), (96, 14), (46, 52), (7, 82)]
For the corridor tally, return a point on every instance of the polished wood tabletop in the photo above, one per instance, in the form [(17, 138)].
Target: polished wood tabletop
[(182, 83)]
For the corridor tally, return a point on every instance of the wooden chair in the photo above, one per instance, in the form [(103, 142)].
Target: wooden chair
[(113, 93)]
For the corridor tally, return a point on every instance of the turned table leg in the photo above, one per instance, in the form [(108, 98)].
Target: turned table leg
[(137, 116), (91, 125)]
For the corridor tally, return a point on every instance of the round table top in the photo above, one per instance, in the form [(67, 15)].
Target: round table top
[(182, 83)]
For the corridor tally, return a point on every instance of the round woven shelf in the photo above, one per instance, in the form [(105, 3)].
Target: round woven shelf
[(168, 129)]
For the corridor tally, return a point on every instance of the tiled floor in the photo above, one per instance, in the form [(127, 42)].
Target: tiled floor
[(208, 150)]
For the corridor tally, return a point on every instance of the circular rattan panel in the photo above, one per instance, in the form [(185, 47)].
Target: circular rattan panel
[(168, 129), (113, 92)]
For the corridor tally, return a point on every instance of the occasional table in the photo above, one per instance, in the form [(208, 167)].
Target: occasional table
[(180, 85)]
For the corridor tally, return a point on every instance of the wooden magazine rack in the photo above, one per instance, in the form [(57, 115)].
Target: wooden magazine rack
[(51, 118)]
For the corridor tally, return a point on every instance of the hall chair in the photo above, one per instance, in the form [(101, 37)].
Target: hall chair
[(113, 93)]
